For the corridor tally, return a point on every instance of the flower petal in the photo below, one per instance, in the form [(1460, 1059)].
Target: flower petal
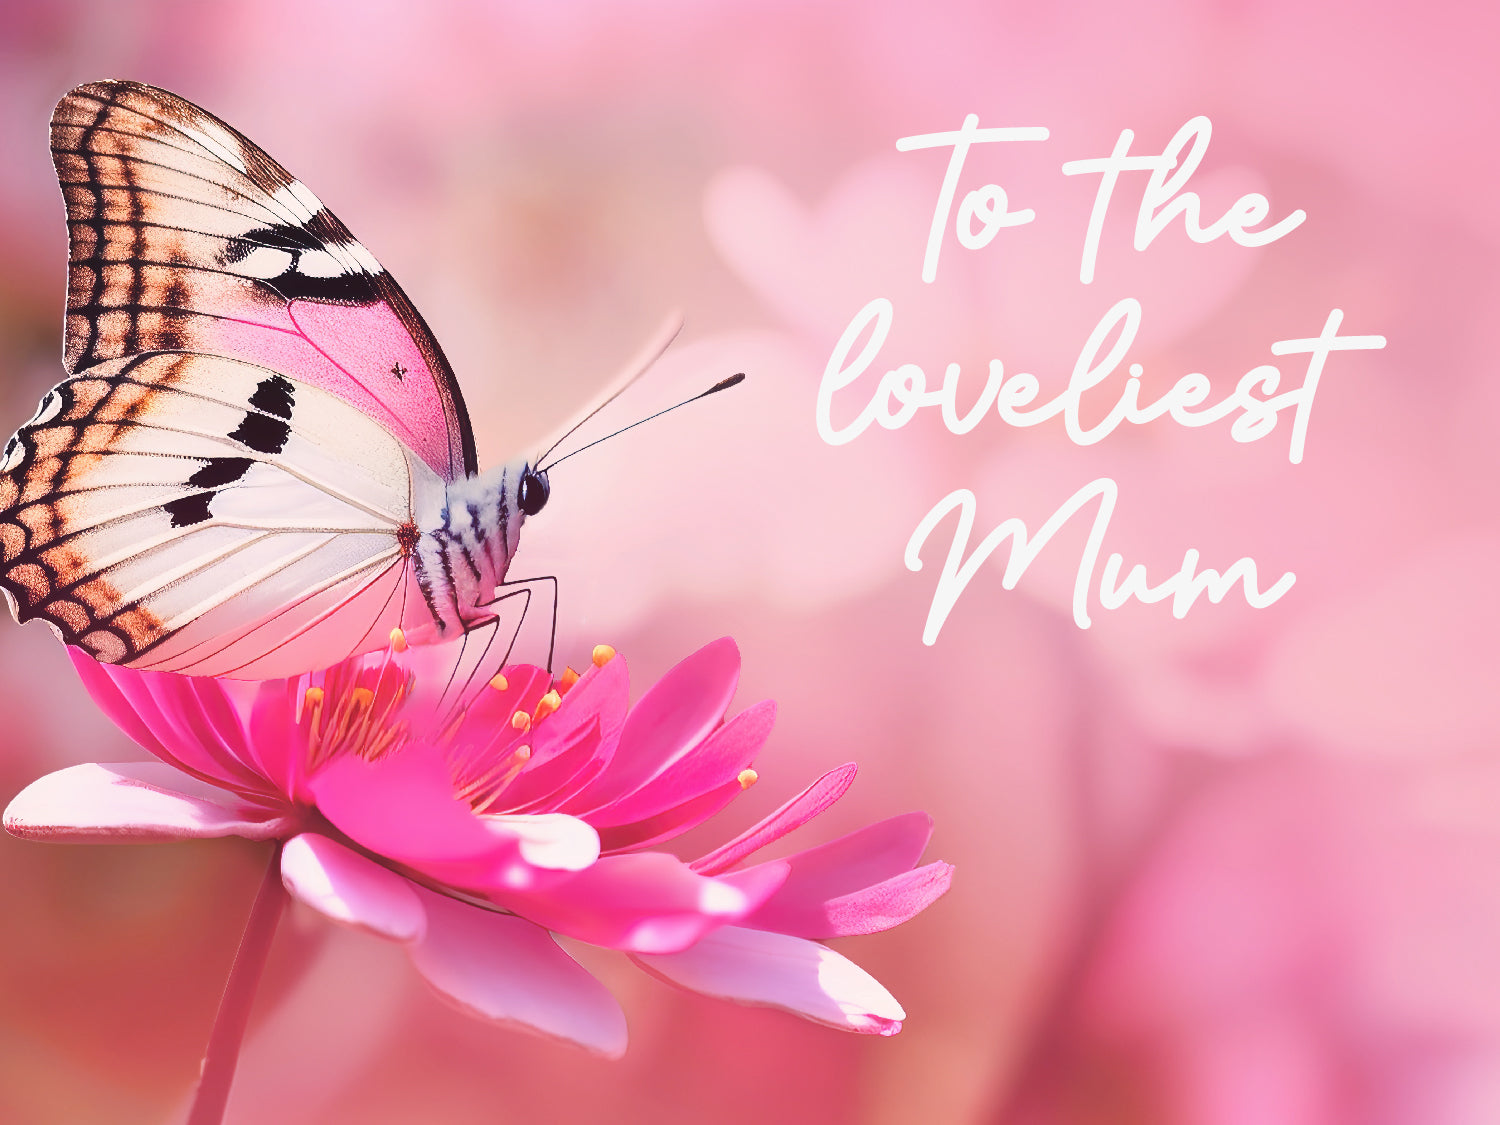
[(858, 884), (865, 856), (665, 825), (168, 715), (551, 840), (203, 708), (112, 701), (795, 813), (644, 902), (404, 807), (558, 768), (717, 760), (349, 888), (679, 712), (755, 967), (179, 709), (503, 968), (600, 697), (592, 766), (491, 709), (602, 694), (137, 802), (865, 911), (277, 744)]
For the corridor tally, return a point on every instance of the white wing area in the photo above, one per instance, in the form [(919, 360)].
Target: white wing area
[(198, 514)]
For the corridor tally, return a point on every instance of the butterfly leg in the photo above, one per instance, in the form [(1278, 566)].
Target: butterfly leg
[(491, 625), (491, 628), (524, 585)]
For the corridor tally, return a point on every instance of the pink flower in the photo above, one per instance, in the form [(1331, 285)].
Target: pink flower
[(475, 824)]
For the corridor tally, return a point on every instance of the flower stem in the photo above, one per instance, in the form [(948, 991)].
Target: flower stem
[(223, 1051)]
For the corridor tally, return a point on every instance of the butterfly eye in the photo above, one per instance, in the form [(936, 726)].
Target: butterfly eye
[(531, 497)]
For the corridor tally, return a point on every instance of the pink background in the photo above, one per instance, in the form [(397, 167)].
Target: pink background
[(1238, 868)]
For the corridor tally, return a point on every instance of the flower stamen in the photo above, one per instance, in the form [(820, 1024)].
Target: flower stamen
[(546, 705), (494, 780), (450, 732), (312, 711), (352, 724)]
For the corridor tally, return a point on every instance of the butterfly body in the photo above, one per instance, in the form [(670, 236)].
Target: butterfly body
[(261, 463), (466, 534)]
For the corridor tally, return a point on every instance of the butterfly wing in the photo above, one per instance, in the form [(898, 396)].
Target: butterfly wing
[(185, 236), (200, 514)]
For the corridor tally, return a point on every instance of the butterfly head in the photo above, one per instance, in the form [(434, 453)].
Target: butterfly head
[(476, 523), (532, 490)]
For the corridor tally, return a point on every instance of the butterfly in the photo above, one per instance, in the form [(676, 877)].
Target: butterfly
[(261, 462)]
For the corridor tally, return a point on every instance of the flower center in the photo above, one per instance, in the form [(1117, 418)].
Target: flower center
[(484, 770), (353, 712), (489, 738)]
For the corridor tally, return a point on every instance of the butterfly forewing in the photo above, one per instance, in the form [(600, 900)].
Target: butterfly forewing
[(202, 514), (184, 236)]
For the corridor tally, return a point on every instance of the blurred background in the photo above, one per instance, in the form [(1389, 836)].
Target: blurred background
[(1242, 867)]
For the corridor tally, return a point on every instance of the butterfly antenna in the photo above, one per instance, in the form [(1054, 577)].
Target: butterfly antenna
[(721, 385), (638, 366)]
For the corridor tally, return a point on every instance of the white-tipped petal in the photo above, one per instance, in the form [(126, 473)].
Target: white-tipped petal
[(133, 802), (551, 840), (722, 899), (351, 889), (800, 976)]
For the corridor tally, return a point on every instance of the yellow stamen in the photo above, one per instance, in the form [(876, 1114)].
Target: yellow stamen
[(520, 720), (451, 730), (398, 640), (566, 680), (603, 654), (500, 683), (347, 714), (546, 705), (391, 732), (312, 711), (496, 779), (347, 722), (383, 743), (748, 778)]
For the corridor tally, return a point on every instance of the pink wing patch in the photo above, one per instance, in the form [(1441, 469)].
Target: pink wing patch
[(370, 361), (184, 236)]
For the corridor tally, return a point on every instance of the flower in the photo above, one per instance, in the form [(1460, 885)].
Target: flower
[(475, 825)]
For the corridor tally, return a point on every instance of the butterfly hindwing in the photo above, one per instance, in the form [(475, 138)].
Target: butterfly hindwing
[(202, 514), (184, 236)]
